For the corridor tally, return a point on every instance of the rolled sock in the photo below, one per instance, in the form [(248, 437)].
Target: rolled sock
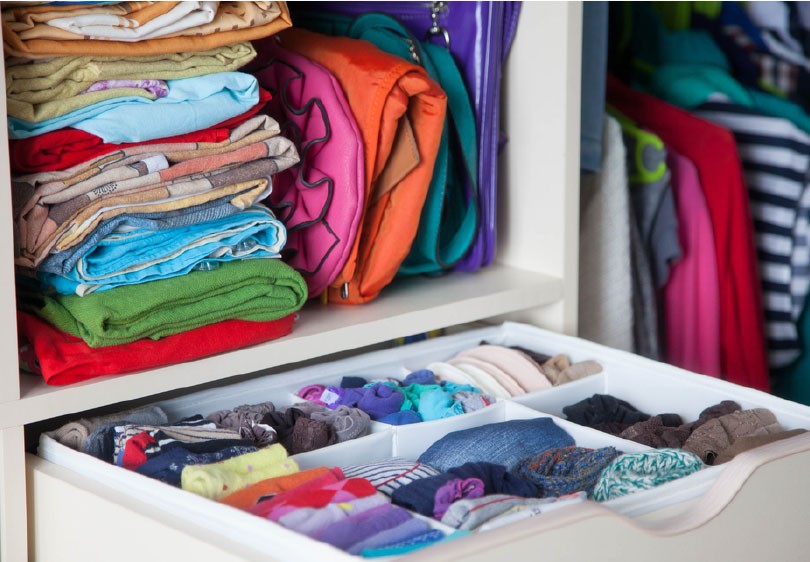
[(558, 472), (388, 475), (753, 441), (413, 527), (348, 532), (266, 489), (380, 400), (283, 423), (640, 471), (348, 423), (312, 520), (454, 490), (403, 417), (409, 545), (654, 433), (422, 376), (718, 434), (168, 467), (216, 480), (73, 434), (353, 382), (236, 418), (438, 404), (470, 401), (603, 408), (335, 397), (559, 369), (503, 443), (310, 435), (312, 393), (715, 411)]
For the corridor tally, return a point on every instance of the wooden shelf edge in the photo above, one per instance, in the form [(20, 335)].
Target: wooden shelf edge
[(408, 307)]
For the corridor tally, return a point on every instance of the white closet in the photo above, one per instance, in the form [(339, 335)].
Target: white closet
[(534, 279)]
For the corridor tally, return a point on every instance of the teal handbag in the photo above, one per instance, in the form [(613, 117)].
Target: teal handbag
[(449, 221)]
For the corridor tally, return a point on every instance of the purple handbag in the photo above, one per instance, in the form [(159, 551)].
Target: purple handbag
[(479, 35)]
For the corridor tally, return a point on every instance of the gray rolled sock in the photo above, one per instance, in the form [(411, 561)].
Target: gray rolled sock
[(74, 434), (469, 514), (236, 418), (349, 423), (470, 401)]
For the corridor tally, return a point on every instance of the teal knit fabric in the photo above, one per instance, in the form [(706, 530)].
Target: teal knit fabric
[(639, 471)]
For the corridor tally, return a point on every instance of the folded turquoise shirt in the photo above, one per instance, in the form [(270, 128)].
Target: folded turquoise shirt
[(192, 104), (139, 255)]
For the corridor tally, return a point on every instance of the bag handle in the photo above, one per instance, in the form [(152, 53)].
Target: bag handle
[(460, 126)]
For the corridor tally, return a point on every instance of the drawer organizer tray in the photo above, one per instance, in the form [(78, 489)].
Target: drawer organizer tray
[(650, 386)]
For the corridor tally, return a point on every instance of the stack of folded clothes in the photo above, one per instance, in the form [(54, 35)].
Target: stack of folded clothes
[(139, 158)]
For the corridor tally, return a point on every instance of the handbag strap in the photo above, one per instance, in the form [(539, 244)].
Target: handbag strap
[(390, 35)]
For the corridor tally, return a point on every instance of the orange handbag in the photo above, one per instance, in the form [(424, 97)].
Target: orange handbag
[(400, 113)]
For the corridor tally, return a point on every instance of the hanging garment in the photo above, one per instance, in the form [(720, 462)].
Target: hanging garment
[(605, 282), (713, 152), (691, 297), (776, 157), (594, 69)]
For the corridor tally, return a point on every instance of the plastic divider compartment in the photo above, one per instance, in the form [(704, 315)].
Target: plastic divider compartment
[(371, 448), (553, 400), (410, 441)]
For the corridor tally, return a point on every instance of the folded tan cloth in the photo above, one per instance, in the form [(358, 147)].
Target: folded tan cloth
[(28, 34), (42, 90)]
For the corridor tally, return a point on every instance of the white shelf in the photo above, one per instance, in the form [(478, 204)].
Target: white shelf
[(410, 307)]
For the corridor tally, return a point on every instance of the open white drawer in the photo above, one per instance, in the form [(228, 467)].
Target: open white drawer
[(753, 508)]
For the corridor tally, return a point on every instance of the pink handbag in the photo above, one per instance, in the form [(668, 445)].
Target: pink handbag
[(321, 200)]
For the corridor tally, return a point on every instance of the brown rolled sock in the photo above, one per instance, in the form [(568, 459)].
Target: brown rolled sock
[(721, 409), (655, 433), (718, 434), (309, 435), (752, 442), (559, 369)]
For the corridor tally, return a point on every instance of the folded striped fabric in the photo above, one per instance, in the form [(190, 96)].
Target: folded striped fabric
[(390, 474)]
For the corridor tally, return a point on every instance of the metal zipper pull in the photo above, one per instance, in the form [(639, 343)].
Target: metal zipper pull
[(437, 8)]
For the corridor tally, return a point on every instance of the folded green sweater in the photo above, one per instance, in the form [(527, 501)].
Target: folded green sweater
[(258, 289)]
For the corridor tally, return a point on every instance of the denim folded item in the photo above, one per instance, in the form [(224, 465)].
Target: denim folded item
[(192, 104), (503, 443), (62, 262), (131, 256)]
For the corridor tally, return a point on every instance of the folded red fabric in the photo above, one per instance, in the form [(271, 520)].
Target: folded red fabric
[(64, 359), (64, 148)]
